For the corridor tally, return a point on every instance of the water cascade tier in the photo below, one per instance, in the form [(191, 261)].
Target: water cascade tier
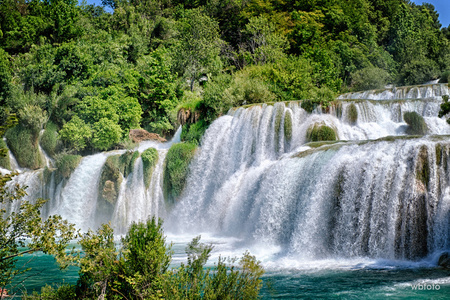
[(375, 192), (260, 177)]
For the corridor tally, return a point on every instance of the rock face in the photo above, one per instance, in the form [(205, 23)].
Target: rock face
[(444, 260), (186, 116), (139, 135)]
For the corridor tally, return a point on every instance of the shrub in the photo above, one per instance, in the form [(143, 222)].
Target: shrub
[(4, 161), (417, 125), (24, 146), (49, 140), (445, 107), (75, 134), (369, 78), (320, 132), (149, 160), (193, 133), (140, 268), (66, 164), (319, 97), (106, 134), (176, 169), (445, 77)]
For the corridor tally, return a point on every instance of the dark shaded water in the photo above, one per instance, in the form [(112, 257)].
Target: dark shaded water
[(334, 282)]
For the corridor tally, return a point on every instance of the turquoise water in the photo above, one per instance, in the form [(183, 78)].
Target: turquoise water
[(360, 281)]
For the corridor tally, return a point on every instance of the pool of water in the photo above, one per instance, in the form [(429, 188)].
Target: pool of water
[(290, 277)]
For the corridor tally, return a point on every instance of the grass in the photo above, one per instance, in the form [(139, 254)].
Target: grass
[(24, 145)]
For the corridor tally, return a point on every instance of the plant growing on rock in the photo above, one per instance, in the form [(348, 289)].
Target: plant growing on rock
[(149, 160), (320, 132), (416, 123)]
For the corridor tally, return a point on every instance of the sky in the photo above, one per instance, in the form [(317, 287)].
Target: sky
[(442, 7)]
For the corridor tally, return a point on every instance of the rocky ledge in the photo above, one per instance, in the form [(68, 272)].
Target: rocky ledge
[(139, 135)]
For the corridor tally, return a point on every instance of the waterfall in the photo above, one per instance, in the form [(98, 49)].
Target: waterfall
[(379, 194), (375, 192), (135, 202)]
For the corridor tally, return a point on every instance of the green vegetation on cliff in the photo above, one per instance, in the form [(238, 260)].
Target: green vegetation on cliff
[(96, 74), (149, 159), (176, 169), (320, 132), (416, 123)]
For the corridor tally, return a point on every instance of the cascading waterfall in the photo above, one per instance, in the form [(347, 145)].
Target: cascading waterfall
[(76, 198), (255, 179), (377, 192)]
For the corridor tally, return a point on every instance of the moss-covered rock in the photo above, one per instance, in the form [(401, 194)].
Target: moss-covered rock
[(176, 170), (66, 164), (23, 143), (109, 192), (126, 162), (279, 112), (416, 123), (320, 132), (352, 113), (423, 169), (4, 161), (149, 159), (288, 125)]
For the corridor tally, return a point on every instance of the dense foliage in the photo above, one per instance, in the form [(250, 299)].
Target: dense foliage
[(94, 74), (140, 269)]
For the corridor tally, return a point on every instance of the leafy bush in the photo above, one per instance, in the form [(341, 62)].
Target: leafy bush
[(139, 269), (417, 125), (419, 71), (106, 134), (176, 169), (445, 77), (319, 97), (320, 132), (369, 78), (65, 291), (66, 164), (193, 133), (75, 134), (24, 146), (149, 160), (49, 140), (247, 90)]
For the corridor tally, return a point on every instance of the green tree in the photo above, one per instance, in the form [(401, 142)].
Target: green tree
[(106, 134), (75, 134), (139, 269), (198, 46)]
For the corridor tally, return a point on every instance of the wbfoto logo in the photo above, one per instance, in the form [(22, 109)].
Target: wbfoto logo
[(426, 287)]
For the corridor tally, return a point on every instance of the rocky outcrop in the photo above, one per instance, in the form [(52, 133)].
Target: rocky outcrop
[(186, 116), (139, 135), (444, 260)]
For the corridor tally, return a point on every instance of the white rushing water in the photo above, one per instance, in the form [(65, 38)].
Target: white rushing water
[(353, 199), (257, 183)]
